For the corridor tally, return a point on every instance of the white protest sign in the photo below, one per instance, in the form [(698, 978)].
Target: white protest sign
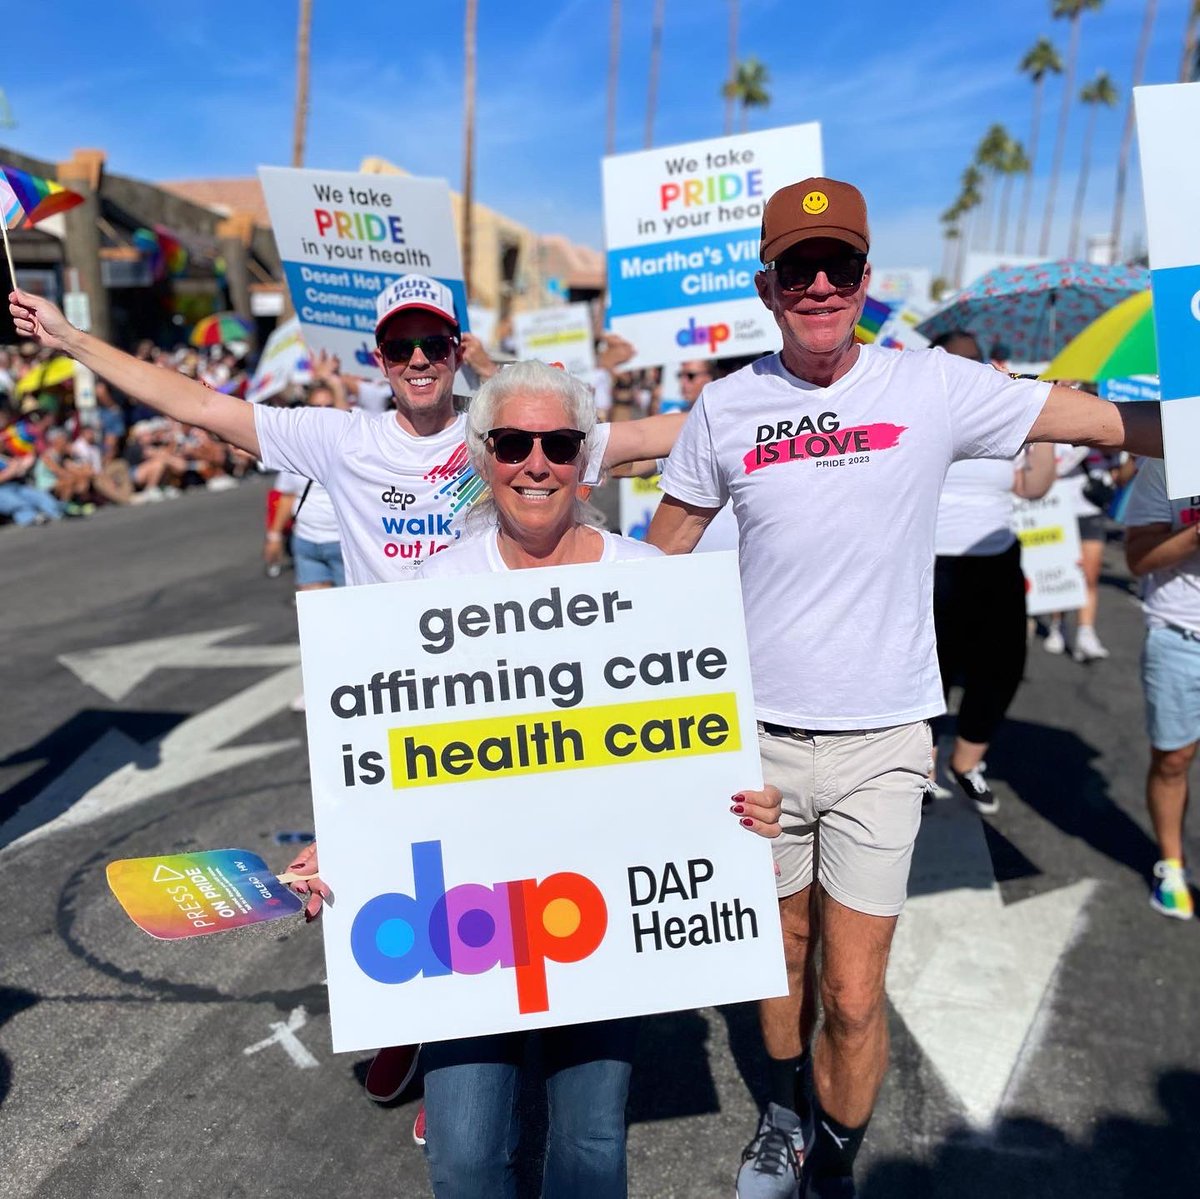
[(521, 784), (483, 324), (1048, 530), (562, 334), (344, 237), (637, 501), (283, 357), (682, 228), (1171, 187)]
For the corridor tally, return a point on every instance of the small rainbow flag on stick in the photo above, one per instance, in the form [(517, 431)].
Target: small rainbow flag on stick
[(875, 314), (37, 197)]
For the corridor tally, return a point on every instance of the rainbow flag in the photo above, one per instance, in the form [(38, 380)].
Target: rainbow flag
[(11, 212), (875, 314), (37, 197)]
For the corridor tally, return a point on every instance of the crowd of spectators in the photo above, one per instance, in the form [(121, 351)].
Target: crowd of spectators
[(67, 449)]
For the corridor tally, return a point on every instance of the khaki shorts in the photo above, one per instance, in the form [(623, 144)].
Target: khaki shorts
[(851, 807)]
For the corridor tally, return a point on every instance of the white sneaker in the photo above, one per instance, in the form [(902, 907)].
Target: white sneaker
[(1055, 643), (1087, 645)]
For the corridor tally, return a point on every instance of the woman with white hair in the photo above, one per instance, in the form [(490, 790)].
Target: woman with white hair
[(526, 429)]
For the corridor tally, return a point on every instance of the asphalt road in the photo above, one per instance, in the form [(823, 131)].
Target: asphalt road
[(1043, 1018)]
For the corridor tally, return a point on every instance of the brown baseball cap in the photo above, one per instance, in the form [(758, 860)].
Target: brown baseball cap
[(816, 207)]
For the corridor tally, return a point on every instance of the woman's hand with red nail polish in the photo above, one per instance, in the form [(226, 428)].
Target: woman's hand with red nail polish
[(759, 811)]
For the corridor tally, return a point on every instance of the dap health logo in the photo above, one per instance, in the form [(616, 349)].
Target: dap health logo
[(472, 928), (702, 335)]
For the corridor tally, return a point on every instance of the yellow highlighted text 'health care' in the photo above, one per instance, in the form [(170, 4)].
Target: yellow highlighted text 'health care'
[(1030, 538), (469, 750)]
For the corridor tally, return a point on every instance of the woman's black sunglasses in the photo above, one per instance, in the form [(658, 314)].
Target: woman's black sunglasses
[(845, 271), (436, 348), (560, 446)]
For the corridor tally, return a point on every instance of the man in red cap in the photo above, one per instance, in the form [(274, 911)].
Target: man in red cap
[(834, 454)]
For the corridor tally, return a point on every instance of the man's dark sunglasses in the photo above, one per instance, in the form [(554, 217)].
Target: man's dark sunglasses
[(690, 375), (399, 350), (845, 271), (560, 446)]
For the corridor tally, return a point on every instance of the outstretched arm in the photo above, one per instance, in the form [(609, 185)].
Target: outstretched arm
[(637, 440), (676, 526), (164, 390), (1081, 419)]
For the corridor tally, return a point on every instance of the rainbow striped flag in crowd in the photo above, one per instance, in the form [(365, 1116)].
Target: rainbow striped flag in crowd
[(874, 315), (35, 198)]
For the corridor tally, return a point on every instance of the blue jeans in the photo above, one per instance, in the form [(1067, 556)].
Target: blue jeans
[(25, 504), (471, 1122)]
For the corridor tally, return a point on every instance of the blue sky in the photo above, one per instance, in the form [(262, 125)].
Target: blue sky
[(903, 92)]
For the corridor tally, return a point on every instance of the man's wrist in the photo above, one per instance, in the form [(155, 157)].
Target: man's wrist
[(273, 535)]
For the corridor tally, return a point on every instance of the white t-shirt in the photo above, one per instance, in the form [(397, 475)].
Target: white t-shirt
[(1172, 595), (974, 517), (316, 520), (836, 491), (374, 395), (481, 554), (397, 498)]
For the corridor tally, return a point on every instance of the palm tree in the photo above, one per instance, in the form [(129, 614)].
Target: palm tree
[(1139, 65), (468, 196), (1100, 91), (749, 87), (655, 63), (1015, 162), (969, 199), (299, 129), (990, 157), (1040, 61), (730, 98), (614, 52), (1070, 10), (1187, 66), (950, 233)]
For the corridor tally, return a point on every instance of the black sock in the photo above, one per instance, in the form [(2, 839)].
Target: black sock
[(836, 1148), (783, 1076), (804, 1097)]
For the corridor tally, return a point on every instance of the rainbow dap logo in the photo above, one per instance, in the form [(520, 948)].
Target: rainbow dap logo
[(699, 335), (470, 928)]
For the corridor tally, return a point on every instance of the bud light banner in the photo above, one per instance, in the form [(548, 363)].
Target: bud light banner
[(1171, 187), (682, 226), (522, 786)]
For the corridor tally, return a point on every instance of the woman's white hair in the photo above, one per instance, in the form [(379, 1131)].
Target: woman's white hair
[(529, 378)]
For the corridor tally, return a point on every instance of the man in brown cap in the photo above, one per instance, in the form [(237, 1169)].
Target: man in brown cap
[(833, 454)]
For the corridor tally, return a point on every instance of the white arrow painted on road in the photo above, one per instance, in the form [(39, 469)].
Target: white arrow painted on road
[(116, 670), (969, 975), (117, 772)]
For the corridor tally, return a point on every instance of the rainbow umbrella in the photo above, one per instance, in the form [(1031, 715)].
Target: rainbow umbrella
[(1117, 345), (1033, 311), (220, 329), (38, 197)]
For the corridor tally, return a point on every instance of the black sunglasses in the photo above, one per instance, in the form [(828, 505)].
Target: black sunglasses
[(845, 271), (436, 348), (689, 375), (560, 446)]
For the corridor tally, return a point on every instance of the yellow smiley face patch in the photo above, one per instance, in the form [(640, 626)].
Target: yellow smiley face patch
[(815, 203)]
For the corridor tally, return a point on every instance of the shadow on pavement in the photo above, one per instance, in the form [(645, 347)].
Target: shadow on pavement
[(12, 1002), (70, 743), (1053, 771), (1123, 1158)]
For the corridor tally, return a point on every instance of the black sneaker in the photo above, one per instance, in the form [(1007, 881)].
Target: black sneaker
[(773, 1162), (975, 788)]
